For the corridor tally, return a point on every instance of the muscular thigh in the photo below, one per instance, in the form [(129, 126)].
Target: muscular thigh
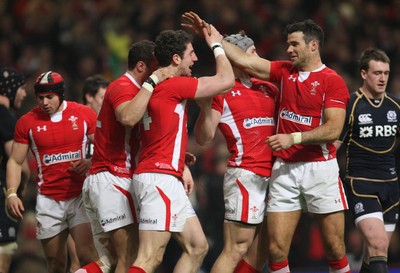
[(281, 227), (192, 234), (332, 230)]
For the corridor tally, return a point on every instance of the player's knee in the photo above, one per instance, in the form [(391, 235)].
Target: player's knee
[(201, 248), (378, 245), (277, 251), (55, 265), (86, 256), (335, 250), (234, 253), (239, 250), (197, 250)]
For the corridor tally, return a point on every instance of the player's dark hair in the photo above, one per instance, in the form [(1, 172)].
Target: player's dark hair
[(310, 29), (170, 42), (369, 55), (92, 85), (140, 51)]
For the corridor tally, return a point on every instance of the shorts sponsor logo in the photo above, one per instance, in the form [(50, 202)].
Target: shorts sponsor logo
[(254, 211), (38, 228), (107, 221), (148, 221), (174, 218), (12, 232), (358, 208), (61, 157), (260, 121), (230, 211), (291, 116)]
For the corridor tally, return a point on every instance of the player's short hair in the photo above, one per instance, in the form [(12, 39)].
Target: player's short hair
[(92, 85), (170, 42), (141, 51), (310, 29), (372, 54)]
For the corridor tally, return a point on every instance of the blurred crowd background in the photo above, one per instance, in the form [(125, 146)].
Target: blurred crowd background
[(80, 38)]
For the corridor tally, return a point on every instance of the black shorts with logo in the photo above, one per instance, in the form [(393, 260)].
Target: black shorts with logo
[(8, 225), (368, 196)]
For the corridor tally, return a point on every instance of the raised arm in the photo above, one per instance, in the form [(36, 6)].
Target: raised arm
[(250, 63), (130, 112), (13, 177), (224, 79)]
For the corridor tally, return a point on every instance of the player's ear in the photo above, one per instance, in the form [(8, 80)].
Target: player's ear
[(176, 58)]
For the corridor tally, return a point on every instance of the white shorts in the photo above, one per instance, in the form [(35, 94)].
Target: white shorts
[(312, 186), (108, 201), (244, 196), (55, 216), (162, 202), (9, 248)]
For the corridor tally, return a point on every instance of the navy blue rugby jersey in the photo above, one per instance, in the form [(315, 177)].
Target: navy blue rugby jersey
[(370, 133)]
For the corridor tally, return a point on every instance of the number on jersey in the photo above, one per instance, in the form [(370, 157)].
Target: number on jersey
[(146, 120)]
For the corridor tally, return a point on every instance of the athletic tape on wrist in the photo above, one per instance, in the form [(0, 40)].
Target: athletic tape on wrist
[(218, 51), (11, 195), (297, 137), (148, 87), (154, 78), (215, 45), (11, 189)]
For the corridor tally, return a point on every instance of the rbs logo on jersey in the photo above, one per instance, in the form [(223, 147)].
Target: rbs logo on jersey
[(378, 131), (61, 157)]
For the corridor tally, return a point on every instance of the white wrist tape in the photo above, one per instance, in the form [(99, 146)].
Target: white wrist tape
[(214, 45), (154, 78), (297, 137), (12, 195), (217, 49), (148, 87), (151, 83)]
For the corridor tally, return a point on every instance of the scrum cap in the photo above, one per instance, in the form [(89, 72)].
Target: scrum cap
[(50, 82), (10, 81), (240, 40)]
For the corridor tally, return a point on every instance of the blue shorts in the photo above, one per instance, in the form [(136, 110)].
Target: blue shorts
[(371, 196)]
